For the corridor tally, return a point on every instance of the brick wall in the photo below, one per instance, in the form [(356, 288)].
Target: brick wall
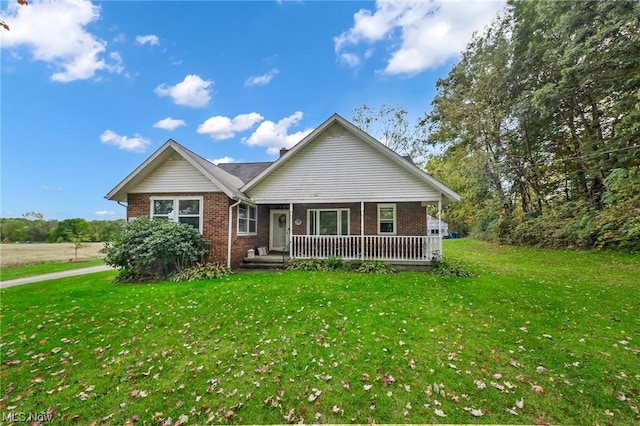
[(215, 221), (411, 221)]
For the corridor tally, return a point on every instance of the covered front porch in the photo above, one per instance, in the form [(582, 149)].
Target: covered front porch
[(394, 232)]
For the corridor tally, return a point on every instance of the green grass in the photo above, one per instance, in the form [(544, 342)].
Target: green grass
[(14, 272), (280, 347)]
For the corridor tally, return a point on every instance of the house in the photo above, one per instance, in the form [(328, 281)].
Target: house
[(338, 192), (437, 226)]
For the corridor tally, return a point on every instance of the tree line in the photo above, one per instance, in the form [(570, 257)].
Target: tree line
[(32, 227), (538, 127)]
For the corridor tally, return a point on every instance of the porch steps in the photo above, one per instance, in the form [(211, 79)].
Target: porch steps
[(270, 261)]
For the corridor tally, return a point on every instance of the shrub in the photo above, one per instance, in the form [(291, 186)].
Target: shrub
[(338, 264), (334, 263), (448, 269), (305, 265), (352, 265), (153, 249), (199, 272), (375, 267)]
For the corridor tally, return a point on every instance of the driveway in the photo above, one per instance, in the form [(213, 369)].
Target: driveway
[(55, 275)]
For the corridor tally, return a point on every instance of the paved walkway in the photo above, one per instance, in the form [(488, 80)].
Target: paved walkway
[(55, 275)]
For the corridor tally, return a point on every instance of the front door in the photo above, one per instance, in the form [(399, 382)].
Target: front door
[(279, 230)]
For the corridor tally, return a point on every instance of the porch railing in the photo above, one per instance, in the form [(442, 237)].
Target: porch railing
[(368, 247)]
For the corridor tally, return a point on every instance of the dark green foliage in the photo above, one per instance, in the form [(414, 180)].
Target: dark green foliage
[(444, 268), (338, 264), (200, 272), (154, 250), (352, 265), (305, 265), (537, 126), (32, 227), (375, 267), (334, 263)]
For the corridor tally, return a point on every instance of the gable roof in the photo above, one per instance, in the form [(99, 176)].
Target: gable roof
[(448, 194), (228, 183), (245, 171)]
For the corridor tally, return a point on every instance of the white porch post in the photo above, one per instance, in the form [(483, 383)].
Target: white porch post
[(440, 226), (290, 229), (362, 230)]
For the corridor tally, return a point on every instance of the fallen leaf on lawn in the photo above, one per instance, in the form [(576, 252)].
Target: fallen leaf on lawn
[(514, 363), (474, 412), (512, 411), (537, 388), (229, 415), (541, 370), (440, 413), (520, 403), (480, 384), (367, 387)]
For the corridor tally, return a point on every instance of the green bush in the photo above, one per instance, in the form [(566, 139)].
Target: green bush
[(447, 269), (154, 250), (199, 272), (305, 265), (334, 263), (375, 267), (338, 264)]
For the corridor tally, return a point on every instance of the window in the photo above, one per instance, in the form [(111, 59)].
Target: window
[(247, 219), (178, 209), (328, 222), (387, 219)]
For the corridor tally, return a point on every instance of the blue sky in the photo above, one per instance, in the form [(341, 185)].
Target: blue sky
[(90, 89)]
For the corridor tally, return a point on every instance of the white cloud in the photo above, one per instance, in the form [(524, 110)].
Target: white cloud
[(351, 59), (275, 135), (55, 32), (105, 213), (423, 34), (261, 79), (220, 127), (148, 39), (135, 144), (226, 159), (193, 91), (169, 123)]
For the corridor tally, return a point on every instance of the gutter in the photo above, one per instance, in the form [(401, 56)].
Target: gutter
[(230, 232)]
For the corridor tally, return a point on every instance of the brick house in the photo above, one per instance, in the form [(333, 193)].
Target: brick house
[(338, 192)]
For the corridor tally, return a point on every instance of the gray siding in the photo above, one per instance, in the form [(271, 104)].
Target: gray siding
[(175, 174), (338, 166)]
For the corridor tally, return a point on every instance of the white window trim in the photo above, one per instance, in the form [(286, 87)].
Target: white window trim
[(395, 219), (238, 231), (175, 216), (339, 211)]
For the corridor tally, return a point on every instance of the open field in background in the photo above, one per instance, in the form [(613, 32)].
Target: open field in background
[(539, 336), (26, 254)]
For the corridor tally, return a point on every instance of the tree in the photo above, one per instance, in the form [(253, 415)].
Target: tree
[(21, 3), (538, 122), (389, 124), (75, 231)]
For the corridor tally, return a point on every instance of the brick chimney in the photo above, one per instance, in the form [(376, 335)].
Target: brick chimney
[(283, 151)]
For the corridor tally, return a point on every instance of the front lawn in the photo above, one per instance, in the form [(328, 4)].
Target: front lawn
[(540, 335)]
